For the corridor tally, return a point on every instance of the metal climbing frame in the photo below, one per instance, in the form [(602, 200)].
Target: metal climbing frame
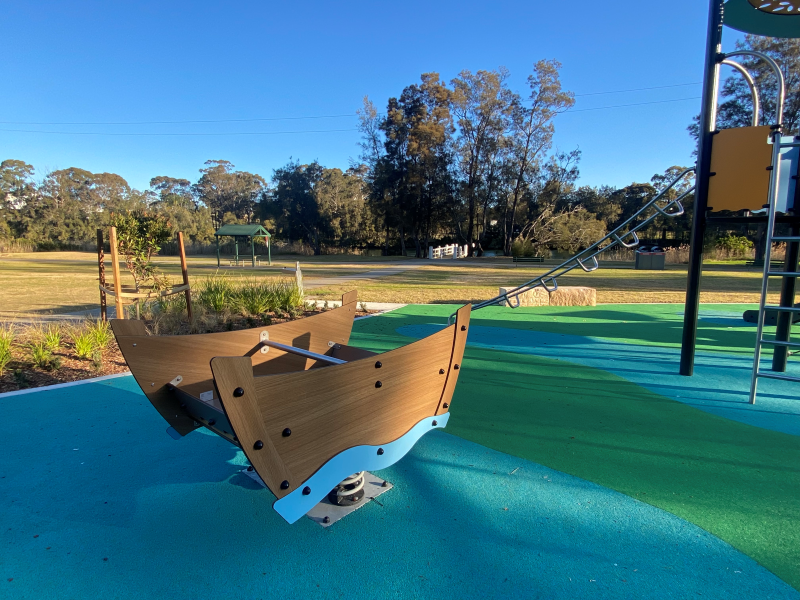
[(773, 206), (587, 259)]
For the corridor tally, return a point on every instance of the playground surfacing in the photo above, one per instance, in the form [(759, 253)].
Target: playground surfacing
[(561, 474)]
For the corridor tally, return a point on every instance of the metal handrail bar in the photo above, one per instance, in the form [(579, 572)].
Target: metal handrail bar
[(614, 238), (301, 352), (751, 84)]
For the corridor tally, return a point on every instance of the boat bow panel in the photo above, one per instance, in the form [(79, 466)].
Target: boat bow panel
[(311, 417)]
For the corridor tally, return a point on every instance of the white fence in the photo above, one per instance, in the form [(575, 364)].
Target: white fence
[(449, 251)]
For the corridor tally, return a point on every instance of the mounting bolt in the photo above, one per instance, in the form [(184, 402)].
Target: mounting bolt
[(434, 423), (455, 367), (378, 365), (238, 393), (250, 469), (287, 432), (463, 328), (385, 484), (326, 519), (258, 445), (284, 485), (441, 371), (378, 384), (380, 451), (212, 422), (445, 405), (306, 491)]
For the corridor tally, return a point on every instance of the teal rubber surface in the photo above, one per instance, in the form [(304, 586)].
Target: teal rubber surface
[(98, 502)]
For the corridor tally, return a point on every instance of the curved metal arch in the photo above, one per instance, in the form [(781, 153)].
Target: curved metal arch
[(751, 84), (778, 75)]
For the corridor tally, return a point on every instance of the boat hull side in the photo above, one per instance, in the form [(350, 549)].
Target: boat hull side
[(155, 360)]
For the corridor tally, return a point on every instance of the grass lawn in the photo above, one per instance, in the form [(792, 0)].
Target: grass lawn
[(57, 282)]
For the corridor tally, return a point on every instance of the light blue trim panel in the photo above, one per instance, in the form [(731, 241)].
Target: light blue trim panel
[(352, 460)]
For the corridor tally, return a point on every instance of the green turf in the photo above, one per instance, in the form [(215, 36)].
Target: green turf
[(738, 482)]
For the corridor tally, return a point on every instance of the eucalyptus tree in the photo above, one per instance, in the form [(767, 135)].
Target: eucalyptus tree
[(531, 133), (482, 105), (224, 190)]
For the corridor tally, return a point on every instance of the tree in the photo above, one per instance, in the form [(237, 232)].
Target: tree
[(140, 235), (482, 105), (294, 199), (415, 166), (532, 132), (224, 190)]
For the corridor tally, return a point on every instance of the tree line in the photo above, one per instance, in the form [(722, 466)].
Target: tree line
[(469, 161)]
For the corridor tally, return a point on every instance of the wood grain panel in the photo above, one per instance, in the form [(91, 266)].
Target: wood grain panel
[(459, 343), (331, 409), (242, 411), (157, 360)]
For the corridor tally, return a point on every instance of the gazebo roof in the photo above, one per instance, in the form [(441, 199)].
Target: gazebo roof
[(252, 230)]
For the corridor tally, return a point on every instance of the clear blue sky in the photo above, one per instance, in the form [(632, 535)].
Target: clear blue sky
[(87, 62)]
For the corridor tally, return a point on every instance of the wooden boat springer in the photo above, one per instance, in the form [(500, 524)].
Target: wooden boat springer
[(306, 409)]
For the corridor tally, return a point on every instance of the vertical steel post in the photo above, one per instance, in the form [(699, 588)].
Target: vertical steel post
[(706, 133)]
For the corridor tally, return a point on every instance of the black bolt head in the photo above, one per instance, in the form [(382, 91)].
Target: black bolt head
[(455, 367), (284, 485), (441, 371), (445, 405), (212, 422), (434, 423), (385, 484), (287, 432), (380, 451), (258, 445), (463, 328), (378, 365), (378, 384), (306, 491), (238, 393), (250, 468), (326, 519)]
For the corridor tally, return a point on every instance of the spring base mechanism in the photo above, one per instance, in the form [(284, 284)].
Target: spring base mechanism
[(349, 492)]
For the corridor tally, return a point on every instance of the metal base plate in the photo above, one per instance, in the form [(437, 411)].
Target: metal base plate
[(373, 487)]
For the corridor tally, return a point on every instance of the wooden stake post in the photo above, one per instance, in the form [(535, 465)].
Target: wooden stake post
[(101, 265), (112, 240), (185, 273)]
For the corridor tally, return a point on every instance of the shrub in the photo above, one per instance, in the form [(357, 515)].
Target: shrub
[(215, 293), (523, 248), (83, 340), (736, 245), (42, 356), (51, 336), (7, 335), (100, 332), (253, 297)]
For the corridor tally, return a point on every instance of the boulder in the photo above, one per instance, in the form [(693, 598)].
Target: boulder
[(574, 296), (535, 297), (563, 296)]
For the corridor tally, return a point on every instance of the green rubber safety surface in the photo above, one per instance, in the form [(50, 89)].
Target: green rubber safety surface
[(739, 482)]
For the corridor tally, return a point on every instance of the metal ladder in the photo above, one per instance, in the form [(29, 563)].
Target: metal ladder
[(763, 307), (587, 259)]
